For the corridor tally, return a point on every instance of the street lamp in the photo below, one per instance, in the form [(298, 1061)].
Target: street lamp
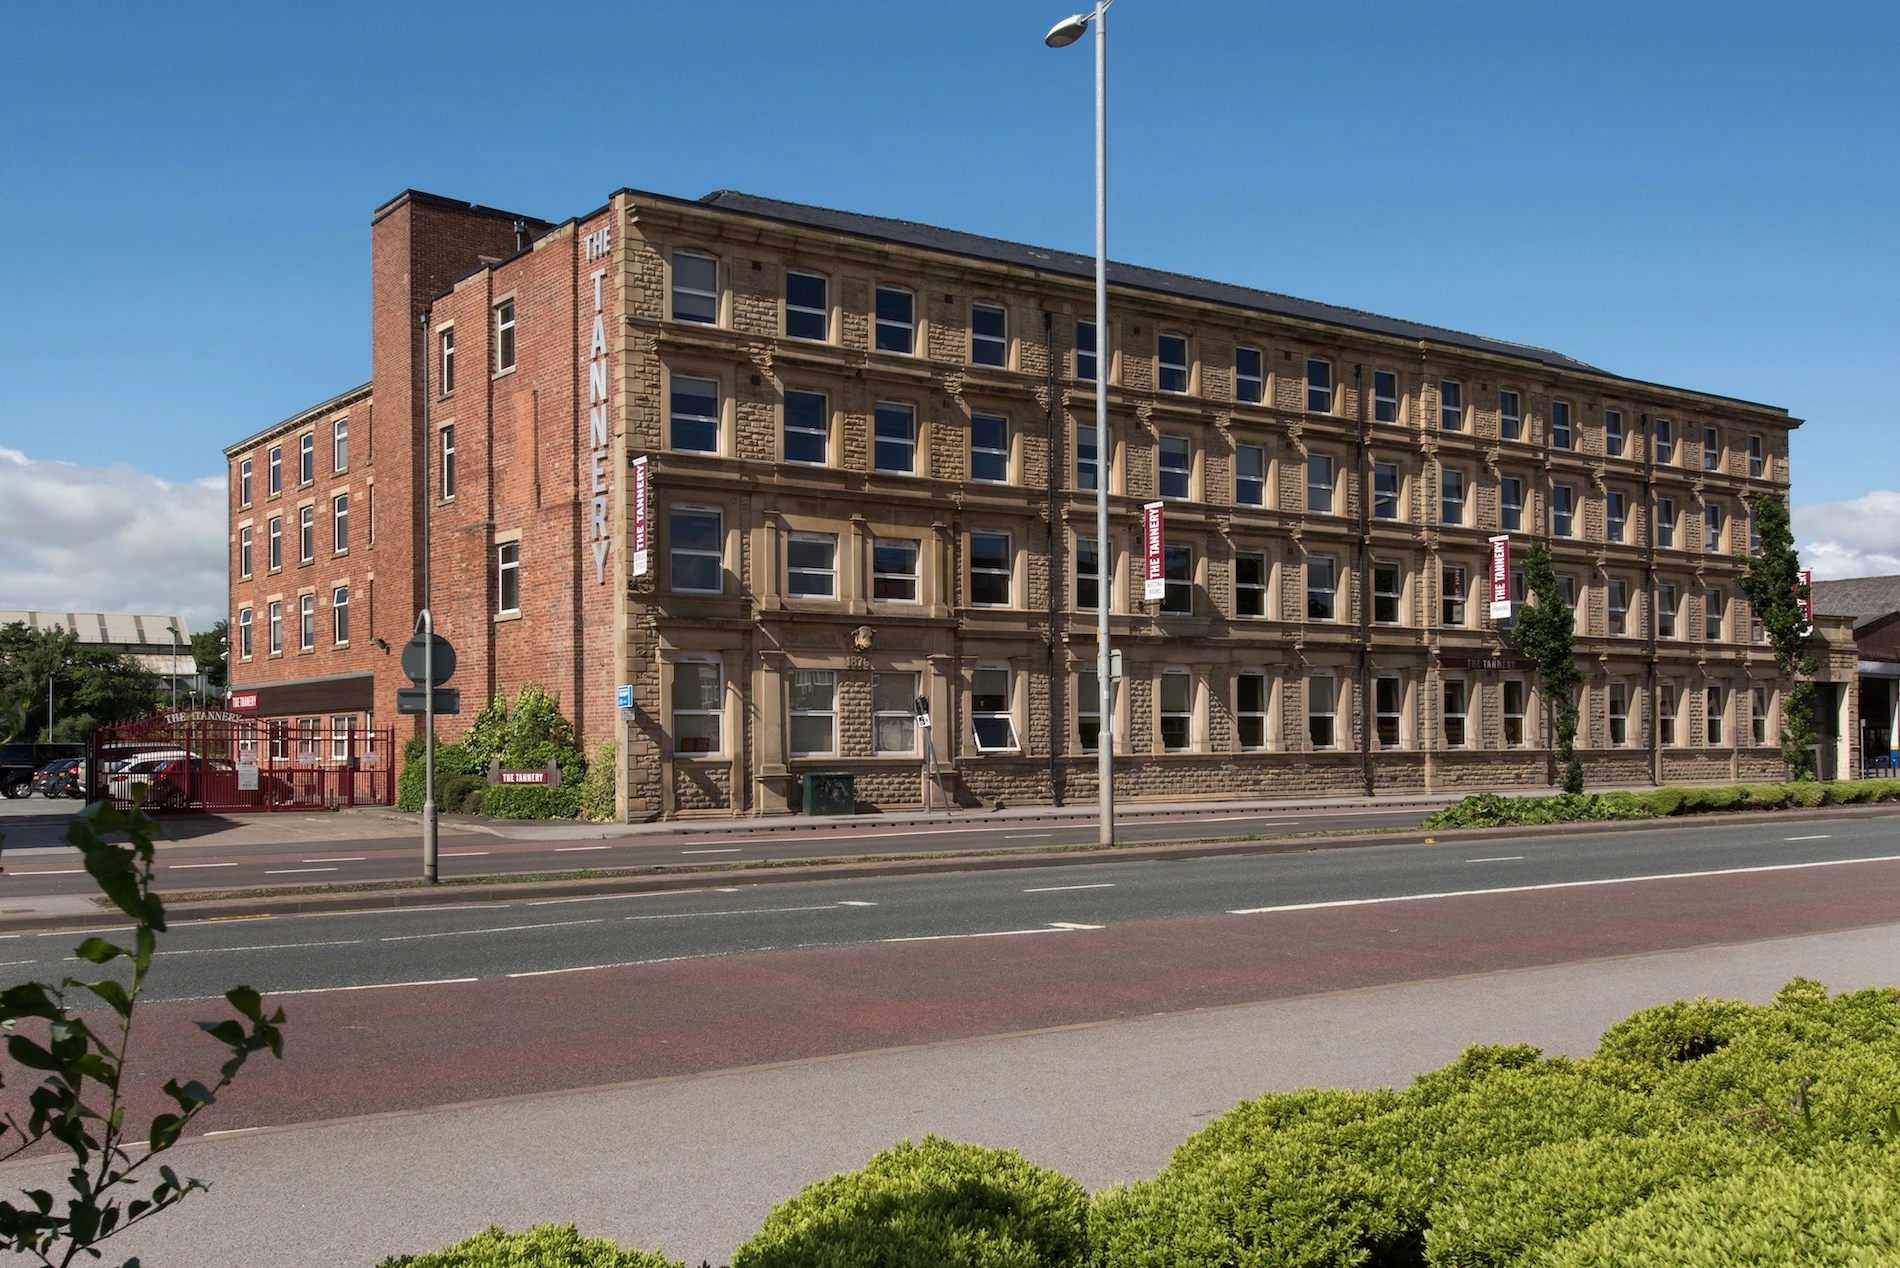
[(174, 630), (1061, 35)]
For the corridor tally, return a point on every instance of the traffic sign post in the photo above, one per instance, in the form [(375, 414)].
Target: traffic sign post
[(429, 660)]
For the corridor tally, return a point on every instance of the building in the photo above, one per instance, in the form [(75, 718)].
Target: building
[(869, 457), (1873, 605), (161, 644)]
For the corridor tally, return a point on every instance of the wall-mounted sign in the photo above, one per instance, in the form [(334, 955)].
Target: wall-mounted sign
[(642, 520), (623, 697), (548, 776), (1486, 662), (242, 702), (1154, 537), (1500, 578), (599, 536)]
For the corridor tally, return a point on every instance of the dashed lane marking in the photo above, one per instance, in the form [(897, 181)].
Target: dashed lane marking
[(463, 933), (1499, 858), (1056, 889)]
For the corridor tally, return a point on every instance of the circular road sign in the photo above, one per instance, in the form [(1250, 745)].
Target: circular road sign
[(413, 652)]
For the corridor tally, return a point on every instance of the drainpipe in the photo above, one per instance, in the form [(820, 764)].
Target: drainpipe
[(1365, 583), (1649, 602), (1049, 638)]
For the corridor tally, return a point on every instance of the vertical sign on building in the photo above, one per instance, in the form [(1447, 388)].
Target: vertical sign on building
[(1806, 594), (1500, 578), (641, 519), (1154, 537), (597, 245)]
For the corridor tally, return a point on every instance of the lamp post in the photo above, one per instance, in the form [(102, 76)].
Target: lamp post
[(174, 630), (1063, 34)]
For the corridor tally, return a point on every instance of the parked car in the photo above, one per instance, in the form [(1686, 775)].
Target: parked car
[(174, 782), (138, 770), (20, 762), (63, 777)]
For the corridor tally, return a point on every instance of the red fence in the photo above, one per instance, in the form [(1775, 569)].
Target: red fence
[(220, 762)]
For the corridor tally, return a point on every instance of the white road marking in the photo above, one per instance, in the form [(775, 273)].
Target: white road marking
[(1499, 858), (1283, 823), (378, 986), (1052, 927), (290, 871), (463, 933), (618, 964), (747, 911), (1070, 924), (1024, 836), (855, 902), (8, 964), (464, 854), (231, 1131), (1526, 889), (179, 867), (601, 898), (1826, 836), (267, 946), (731, 849), (75, 871), (1056, 889), (577, 849), (360, 858)]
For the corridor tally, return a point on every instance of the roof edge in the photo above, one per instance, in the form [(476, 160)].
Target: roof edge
[(321, 407)]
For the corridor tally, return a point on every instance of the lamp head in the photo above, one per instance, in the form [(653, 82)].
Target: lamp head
[(1067, 31)]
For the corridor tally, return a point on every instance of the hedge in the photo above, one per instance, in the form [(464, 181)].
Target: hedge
[(1493, 810), (523, 735), (543, 1246)]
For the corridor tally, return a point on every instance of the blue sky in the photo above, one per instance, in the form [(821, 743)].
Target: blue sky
[(1697, 193)]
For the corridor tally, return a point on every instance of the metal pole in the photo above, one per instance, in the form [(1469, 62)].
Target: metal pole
[(49, 708), (428, 631), (1105, 554)]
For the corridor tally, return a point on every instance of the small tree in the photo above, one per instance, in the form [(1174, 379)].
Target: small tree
[(210, 651), (1772, 582), (1546, 632)]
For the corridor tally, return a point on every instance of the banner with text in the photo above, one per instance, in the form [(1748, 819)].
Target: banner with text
[(1154, 534), (642, 521), (1500, 578)]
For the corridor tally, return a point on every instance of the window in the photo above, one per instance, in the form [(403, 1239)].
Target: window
[(1755, 459), (1454, 583), (989, 570), (695, 544), (1619, 599), (1319, 386), (989, 336), (306, 533), (1177, 710), (448, 462), (1511, 504), (1560, 437), (1666, 610), (274, 464), (807, 307), (244, 633), (306, 458), (1451, 497), (894, 570), (1758, 715), (1388, 707), (1451, 405), (695, 414), (340, 445), (811, 566), (695, 288), (1665, 522), (1087, 458), (1322, 708), (1086, 362), (698, 708), (340, 615), (1613, 432), (307, 729), (895, 443), (307, 622), (1567, 587), (372, 516), (1088, 575), (1250, 475), (991, 722), (989, 448), (1250, 583), (1715, 714), (1455, 711), (244, 483), (1176, 462), (1714, 615), (1665, 442), (508, 577), (342, 733), (1088, 710), (1385, 490), (1510, 416), (1249, 383), (896, 321), (1387, 578), (1616, 514), (1173, 358), (276, 628), (1319, 482), (813, 730), (244, 551), (1177, 571), (1518, 589), (1513, 713), (1711, 449), (1712, 529), (893, 713), (1321, 584), (505, 336), (340, 521), (275, 538), (1563, 510), (1385, 396), (1754, 532), (1250, 709), (1619, 715), (446, 340), (807, 427)]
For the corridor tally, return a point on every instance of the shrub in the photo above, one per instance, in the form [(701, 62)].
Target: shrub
[(451, 761), (1669, 1033), (1764, 797), (1807, 795), (1721, 797), (927, 1205), (456, 790), (543, 1246), (598, 803), (1663, 801)]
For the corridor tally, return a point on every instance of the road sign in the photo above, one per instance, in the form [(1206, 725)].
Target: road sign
[(623, 697), (412, 654), (447, 700)]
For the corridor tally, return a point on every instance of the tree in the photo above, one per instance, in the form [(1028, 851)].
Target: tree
[(210, 651), (1546, 632), (89, 682), (1772, 582)]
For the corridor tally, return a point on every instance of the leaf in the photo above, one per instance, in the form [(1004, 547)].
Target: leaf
[(227, 1032), (98, 951), (114, 995), (31, 1055), (246, 1001)]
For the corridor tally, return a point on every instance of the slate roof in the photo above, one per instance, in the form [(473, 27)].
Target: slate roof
[(1863, 598), (113, 629)]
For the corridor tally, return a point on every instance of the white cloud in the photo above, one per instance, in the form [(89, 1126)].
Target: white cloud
[(1856, 538), (110, 539)]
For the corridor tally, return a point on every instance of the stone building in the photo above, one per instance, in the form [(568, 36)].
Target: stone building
[(865, 451)]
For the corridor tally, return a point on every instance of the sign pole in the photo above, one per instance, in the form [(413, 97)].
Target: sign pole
[(428, 748)]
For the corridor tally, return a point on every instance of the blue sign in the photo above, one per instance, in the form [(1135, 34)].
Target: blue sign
[(623, 697)]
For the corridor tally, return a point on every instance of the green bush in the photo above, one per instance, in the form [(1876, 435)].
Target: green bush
[(456, 791), (598, 804), (1764, 796), (1660, 1037), (451, 761), (937, 1204), (522, 736), (543, 1246), (1492, 810), (1807, 795)]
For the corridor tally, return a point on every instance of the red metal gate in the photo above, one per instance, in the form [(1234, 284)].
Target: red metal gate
[(221, 762)]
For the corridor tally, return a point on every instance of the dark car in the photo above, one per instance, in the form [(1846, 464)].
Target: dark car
[(64, 777), (174, 786)]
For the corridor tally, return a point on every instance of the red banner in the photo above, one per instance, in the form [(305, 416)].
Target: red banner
[(1154, 535), (1806, 593), (1500, 578), (642, 520), (242, 702)]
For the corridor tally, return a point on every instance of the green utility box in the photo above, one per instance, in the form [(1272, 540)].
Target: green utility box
[(830, 792)]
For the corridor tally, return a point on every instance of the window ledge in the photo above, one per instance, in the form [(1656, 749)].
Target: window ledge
[(512, 614)]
